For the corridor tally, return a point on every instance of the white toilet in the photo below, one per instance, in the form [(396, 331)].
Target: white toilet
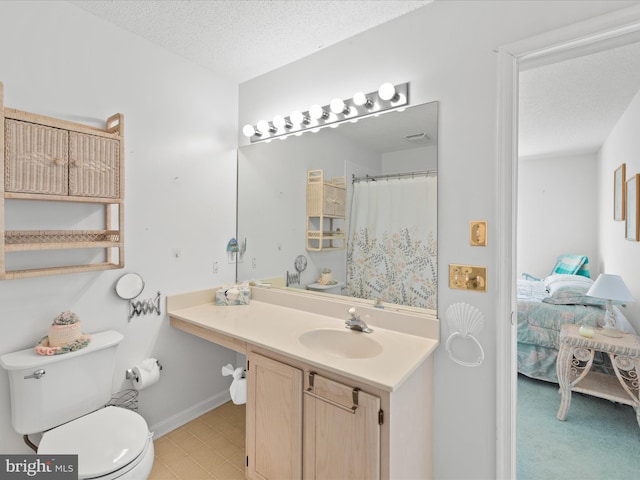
[(335, 289), (64, 396)]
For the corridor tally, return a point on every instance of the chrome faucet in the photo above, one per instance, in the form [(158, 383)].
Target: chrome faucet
[(356, 323)]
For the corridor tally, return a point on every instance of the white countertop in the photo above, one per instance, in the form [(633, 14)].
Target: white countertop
[(278, 328)]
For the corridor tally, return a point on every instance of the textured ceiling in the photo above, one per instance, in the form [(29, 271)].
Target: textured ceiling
[(569, 106), (241, 39), (572, 106)]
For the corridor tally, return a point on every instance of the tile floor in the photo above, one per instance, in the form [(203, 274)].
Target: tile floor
[(210, 447)]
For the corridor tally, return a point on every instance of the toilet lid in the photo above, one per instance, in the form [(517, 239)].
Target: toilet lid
[(105, 440)]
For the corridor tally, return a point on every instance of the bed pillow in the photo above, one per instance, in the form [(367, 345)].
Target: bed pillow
[(569, 263), (567, 279), (567, 293), (583, 271)]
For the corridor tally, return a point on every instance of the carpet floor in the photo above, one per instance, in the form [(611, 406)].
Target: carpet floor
[(600, 440)]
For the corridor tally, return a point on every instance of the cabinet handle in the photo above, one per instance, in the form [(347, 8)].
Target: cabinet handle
[(59, 161), (351, 409)]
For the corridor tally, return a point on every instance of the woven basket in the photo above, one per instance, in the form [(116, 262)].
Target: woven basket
[(60, 335)]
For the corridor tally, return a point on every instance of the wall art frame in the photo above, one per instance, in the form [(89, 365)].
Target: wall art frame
[(632, 221), (619, 187)]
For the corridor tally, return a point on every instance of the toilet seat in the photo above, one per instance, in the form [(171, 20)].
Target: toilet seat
[(109, 440)]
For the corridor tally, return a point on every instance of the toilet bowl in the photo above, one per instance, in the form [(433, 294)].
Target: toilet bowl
[(110, 443), (65, 395)]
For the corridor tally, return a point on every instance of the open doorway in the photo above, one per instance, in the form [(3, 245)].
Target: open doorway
[(599, 34), (568, 109)]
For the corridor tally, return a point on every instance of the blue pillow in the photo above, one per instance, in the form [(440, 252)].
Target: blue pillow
[(584, 269), (569, 264)]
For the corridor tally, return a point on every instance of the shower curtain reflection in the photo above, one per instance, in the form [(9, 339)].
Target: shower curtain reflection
[(392, 250)]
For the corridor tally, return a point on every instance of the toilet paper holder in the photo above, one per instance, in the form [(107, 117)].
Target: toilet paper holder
[(129, 375)]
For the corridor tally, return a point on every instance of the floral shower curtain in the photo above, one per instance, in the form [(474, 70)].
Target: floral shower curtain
[(392, 249)]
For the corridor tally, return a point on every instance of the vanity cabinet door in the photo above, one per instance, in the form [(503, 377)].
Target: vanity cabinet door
[(274, 419), (341, 432)]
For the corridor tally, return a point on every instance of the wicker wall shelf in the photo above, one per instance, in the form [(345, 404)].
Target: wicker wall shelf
[(60, 198), (39, 272), (326, 212), (44, 158), (60, 239)]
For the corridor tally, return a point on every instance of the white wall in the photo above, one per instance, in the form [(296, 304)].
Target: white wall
[(618, 255), (180, 140), (446, 51), (557, 211), (412, 160)]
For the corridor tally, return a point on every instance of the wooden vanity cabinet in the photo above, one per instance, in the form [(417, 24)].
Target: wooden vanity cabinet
[(299, 416), (334, 432)]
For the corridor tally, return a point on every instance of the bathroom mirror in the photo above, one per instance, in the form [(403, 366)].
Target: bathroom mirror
[(272, 180), (129, 286)]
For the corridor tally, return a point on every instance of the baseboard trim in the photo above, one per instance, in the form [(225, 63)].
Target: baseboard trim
[(169, 424)]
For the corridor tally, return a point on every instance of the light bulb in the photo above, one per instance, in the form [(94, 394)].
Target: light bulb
[(263, 126), (316, 112), (361, 99), (248, 130), (280, 122), (337, 105), (387, 91), (298, 118)]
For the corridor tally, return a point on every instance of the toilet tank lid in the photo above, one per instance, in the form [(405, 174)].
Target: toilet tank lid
[(28, 358)]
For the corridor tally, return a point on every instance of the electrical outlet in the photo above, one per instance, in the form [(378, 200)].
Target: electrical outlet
[(478, 233), (215, 267)]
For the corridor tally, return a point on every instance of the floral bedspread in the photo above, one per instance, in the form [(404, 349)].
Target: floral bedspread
[(539, 326)]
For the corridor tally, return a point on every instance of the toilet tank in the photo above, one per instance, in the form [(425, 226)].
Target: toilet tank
[(74, 383)]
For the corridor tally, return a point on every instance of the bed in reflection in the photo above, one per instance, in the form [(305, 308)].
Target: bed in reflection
[(544, 305)]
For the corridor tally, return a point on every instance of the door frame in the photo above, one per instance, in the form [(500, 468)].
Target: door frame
[(600, 33)]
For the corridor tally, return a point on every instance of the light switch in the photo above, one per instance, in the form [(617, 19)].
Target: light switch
[(478, 233), (468, 277)]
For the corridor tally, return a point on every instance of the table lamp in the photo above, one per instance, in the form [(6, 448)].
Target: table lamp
[(612, 289)]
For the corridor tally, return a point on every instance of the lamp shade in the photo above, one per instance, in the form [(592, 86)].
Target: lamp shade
[(610, 287)]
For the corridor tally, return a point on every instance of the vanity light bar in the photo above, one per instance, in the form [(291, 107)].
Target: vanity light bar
[(387, 97)]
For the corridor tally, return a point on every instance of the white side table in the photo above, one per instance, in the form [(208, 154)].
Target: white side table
[(575, 360)]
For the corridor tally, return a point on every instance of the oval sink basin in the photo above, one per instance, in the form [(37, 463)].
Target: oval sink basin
[(341, 343)]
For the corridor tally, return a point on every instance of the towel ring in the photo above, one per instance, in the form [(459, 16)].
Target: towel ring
[(457, 360)]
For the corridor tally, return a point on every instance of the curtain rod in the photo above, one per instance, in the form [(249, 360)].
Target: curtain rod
[(373, 178)]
